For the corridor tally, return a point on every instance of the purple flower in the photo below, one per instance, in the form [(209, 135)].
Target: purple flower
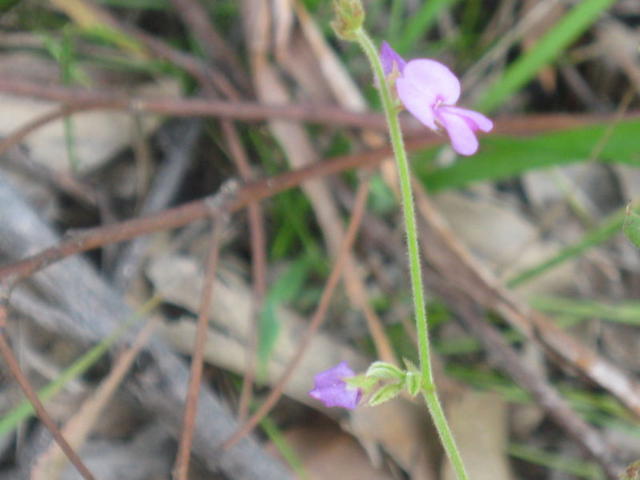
[(429, 90), (391, 60), (333, 391)]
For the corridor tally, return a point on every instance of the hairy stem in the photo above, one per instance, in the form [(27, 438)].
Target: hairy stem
[(395, 133)]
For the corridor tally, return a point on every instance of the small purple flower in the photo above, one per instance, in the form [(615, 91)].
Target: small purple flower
[(429, 91), (333, 391), (391, 60)]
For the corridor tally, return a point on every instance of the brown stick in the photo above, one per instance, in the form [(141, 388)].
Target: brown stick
[(316, 320), (196, 18), (7, 354), (182, 215), (190, 107), (258, 264), (181, 470), (78, 99)]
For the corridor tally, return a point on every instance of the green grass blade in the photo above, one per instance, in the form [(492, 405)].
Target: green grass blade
[(627, 312), (606, 230), (545, 51), (284, 447), (557, 462)]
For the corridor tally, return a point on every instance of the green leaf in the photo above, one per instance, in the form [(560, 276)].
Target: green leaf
[(505, 157), (549, 47), (631, 226), (361, 381), (386, 393)]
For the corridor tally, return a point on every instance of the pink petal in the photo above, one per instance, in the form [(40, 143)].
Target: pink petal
[(417, 100), (434, 77), (390, 59), (460, 132), (476, 120)]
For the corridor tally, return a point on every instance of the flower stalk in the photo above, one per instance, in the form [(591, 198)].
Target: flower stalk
[(427, 383)]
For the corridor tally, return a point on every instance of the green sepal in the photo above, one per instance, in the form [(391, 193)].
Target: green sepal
[(385, 371), (361, 381), (412, 383), (386, 393), (411, 367)]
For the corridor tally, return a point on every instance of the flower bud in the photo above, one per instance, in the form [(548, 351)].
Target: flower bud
[(349, 18)]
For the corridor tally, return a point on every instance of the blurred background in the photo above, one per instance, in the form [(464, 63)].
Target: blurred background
[(113, 110)]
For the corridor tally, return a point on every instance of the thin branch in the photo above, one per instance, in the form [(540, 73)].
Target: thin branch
[(195, 18), (258, 265), (7, 354), (76, 100), (183, 215), (181, 470), (81, 99), (316, 320)]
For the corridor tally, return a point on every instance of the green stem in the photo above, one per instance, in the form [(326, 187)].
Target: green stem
[(395, 133)]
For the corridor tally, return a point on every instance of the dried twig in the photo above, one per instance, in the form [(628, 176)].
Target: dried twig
[(195, 17), (181, 469), (12, 363), (182, 215), (258, 263), (77, 100), (316, 320)]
